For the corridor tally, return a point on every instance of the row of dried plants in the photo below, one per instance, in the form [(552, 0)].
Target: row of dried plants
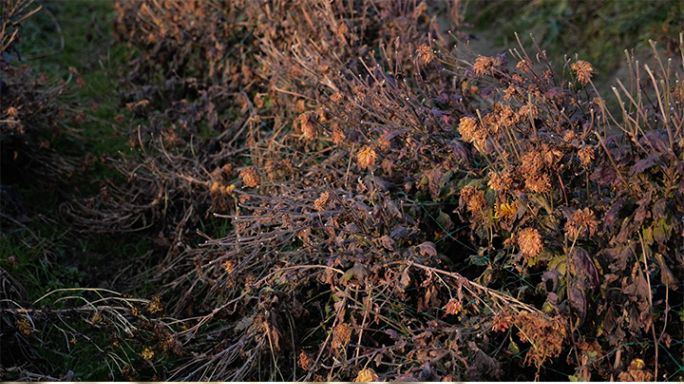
[(344, 191)]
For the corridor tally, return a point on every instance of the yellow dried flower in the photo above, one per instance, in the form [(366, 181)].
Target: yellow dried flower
[(229, 266), (322, 201), (425, 54), (471, 131), (583, 69), (510, 92), (250, 177), (506, 212), (148, 353), (24, 326), (366, 157), (530, 242), (366, 375), (155, 306)]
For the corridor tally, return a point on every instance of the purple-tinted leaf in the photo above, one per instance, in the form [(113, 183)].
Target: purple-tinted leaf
[(605, 175), (611, 215), (585, 267), (578, 300), (656, 139), (643, 165)]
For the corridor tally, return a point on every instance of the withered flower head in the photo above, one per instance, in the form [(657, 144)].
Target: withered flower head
[(336, 98), (424, 54), (500, 180), (338, 135), (366, 375), (366, 157), (307, 122), (322, 201), (250, 177), (582, 222), (530, 242), (538, 183), (482, 65), (453, 306), (569, 136), (473, 199), (586, 155), (583, 69)]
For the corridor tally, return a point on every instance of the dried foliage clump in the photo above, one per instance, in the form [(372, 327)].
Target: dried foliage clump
[(396, 207)]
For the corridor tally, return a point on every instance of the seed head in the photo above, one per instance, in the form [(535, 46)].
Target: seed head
[(530, 242)]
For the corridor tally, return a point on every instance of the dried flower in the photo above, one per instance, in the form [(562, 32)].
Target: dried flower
[(341, 336), (155, 306), (453, 306), (24, 326), (500, 180), (569, 136), (366, 375), (582, 222), (338, 135), (250, 177), (336, 98), (530, 242), (366, 157), (506, 212), (583, 69), (482, 65), (148, 353), (229, 266), (473, 199), (586, 155), (304, 361), (510, 92), (322, 201), (307, 122), (425, 55)]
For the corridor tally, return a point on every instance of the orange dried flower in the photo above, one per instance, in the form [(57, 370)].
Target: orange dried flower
[(304, 361), (530, 242), (482, 65), (538, 183), (425, 54), (250, 177), (586, 155), (467, 128), (366, 375), (341, 335), (500, 181), (569, 136), (473, 199), (366, 157), (338, 135), (510, 92), (583, 69), (322, 201), (336, 98), (453, 306), (307, 122), (582, 222)]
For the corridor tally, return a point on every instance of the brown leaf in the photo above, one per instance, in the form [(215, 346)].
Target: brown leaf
[(428, 249)]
